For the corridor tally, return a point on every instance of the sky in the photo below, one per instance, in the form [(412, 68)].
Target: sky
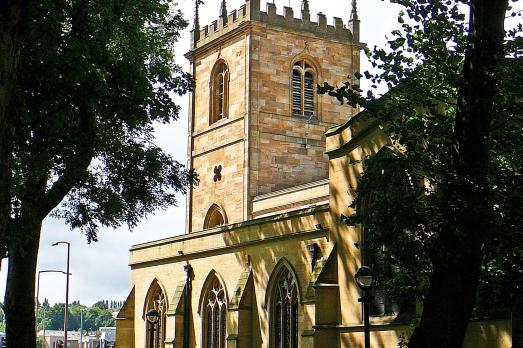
[(100, 271)]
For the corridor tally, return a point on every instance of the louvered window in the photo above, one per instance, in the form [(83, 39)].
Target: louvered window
[(303, 84), (308, 95), (296, 92), (219, 108), (215, 317), (285, 312)]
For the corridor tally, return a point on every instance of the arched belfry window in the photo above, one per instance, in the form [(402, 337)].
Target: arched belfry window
[(219, 86), (284, 310), (215, 217), (303, 82), (156, 300), (214, 313)]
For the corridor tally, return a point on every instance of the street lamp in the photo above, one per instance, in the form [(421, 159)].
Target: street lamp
[(66, 289), (364, 279), (38, 292), (152, 318), (81, 326)]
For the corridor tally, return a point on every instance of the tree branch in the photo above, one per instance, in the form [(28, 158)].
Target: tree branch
[(76, 167)]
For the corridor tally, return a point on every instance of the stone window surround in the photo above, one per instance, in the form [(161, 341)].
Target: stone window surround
[(219, 104)]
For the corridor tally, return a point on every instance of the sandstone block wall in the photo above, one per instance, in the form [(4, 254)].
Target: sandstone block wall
[(229, 253), (287, 150), (261, 146), (220, 143)]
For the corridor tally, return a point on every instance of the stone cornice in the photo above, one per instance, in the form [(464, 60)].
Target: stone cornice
[(219, 124), (230, 227), (291, 189), (310, 234)]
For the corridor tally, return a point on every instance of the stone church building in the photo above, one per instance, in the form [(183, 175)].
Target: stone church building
[(264, 261)]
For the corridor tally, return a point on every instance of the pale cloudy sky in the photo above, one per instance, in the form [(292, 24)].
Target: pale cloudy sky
[(100, 270)]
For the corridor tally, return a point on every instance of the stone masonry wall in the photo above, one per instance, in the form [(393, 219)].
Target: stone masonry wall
[(220, 144), (261, 147), (287, 150)]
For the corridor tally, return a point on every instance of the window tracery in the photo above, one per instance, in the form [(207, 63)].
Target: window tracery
[(284, 313), (158, 302), (215, 315)]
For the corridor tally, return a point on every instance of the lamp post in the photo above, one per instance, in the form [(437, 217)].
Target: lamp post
[(152, 318), (66, 290), (81, 326), (38, 293), (44, 326), (364, 279)]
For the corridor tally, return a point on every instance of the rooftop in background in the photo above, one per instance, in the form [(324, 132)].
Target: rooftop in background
[(71, 335)]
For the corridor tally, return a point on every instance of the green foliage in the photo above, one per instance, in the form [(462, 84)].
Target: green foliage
[(502, 270), (40, 342), (95, 77), (402, 202), (101, 305), (94, 317)]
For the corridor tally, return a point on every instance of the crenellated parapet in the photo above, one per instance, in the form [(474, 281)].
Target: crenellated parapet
[(250, 11)]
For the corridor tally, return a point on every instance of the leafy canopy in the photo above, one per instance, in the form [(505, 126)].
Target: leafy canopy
[(95, 76), (401, 196)]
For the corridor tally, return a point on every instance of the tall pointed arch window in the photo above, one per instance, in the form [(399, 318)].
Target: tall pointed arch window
[(284, 311), (214, 314), (158, 301), (303, 82), (219, 86)]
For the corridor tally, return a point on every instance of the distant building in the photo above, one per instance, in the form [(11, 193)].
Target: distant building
[(107, 337), (54, 339)]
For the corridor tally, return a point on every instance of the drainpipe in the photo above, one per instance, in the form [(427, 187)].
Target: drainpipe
[(186, 306)]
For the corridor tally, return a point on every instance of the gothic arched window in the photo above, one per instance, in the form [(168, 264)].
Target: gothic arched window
[(303, 82), (215, 217), (284, 311), (219, 92), (157, 301), (214, 314)]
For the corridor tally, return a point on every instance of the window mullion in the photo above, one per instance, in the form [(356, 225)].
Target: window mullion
[(302, 92)]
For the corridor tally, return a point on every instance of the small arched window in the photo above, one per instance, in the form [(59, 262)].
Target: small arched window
[(303, 82), (214, 314), (158, 301), (219, 107), (215, 217), (284, 311)]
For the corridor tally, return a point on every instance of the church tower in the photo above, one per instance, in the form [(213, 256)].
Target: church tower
[(256, 122)]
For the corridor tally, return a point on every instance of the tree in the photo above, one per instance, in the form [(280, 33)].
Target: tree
[(101, 305), (450, 185), (55, 317), (80, 89), (11, 18), (94, 317)]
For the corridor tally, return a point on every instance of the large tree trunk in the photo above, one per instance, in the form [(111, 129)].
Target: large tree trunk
[(453, 284), (19, 306), (517, 323), (11, 12)]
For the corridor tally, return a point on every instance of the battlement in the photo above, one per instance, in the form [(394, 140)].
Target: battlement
[(251, 12)]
